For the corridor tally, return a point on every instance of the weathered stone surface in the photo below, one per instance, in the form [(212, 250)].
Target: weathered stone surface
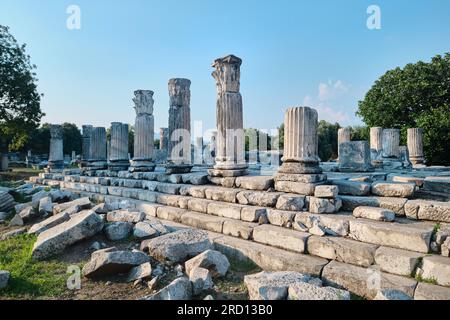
[(436, 268), (425, 291), (201, 280), (397, 261), (343, 250), (306, 189), (111, 261), (418, 181), (226, 210), (49, 223), (203, 221), (56, 239), (146, 229), (261, 183), (258, 198), (307, 291), (4, 278), (253, 214), (125, 216), (149, 209), (16, 221), (214, 261), (269, 258), (221, 194), (198, 192), (281, 237), (371, 213), (352, 188), (20, 206), (37, 197), (199, 205), (45, 206), (143, 271), (13, 233), (402, 236), (179, 245), (391, 294), (445, 248), (238, 228), (280, 218), (319, 205), (290, 202), (195, 178), (354, 156), (116, 231), (170, 213), (395, 204), (304, 178), (428, 210), (327, 192), (178, 289), (365, 282), (272, 285), (439, 184), (28, 213), (349, 203), (82, 203), (333, 224), (388, 189)]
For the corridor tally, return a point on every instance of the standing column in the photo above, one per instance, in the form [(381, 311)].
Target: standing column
[(86, 145), (198, 156), (230, 151), (415, 146), (391, 143), (118, 153), (376, 145), (56, 156), (179, 151), (144, 133), (343, 136), (163, 138), (97, 149)]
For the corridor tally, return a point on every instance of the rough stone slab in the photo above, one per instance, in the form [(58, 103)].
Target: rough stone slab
[(327, 192), (307, 291), (402, 236), (365, 282), (349, 203), (352, 188), (149, 196), (436, 268), (304, 178), (201, 280), (398, 190), (269, 258), (237, 228), (179, 245), (258, 198), (333, 224), (279, 217), (343, 250), (212, 260), (290, 202), (170, 213), (319, 205), (56, 239), (306, 189), (203, 221), (397, 261), (252, 213), (49, 223), (82, 203), (222, 194), (439, 184), (169, 199), (169, 188), (178, 289), (199, 205), (226, 210), (116, 231), (143, 271), (111, 261), (260, 183), (418, 181), (428, 210), (125, 216), (227, 182), (425, 291), (12, 233), (144, 230), (197, 192), (281, 237), (371, 213), (195, 178), (149, 209), (395, 204)]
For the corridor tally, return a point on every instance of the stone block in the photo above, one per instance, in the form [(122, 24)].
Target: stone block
[(281, 237)]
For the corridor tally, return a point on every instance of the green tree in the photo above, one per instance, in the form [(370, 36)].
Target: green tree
[(417, 95), (328, 148), (360, 133), (20, 110), (72, 138)]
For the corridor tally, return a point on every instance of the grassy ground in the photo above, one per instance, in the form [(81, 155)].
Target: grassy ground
[(12, 178), (29, 278)]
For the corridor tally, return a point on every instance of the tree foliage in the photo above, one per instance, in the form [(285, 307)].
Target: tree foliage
[(20, 110), (417, 95), (328, 147)]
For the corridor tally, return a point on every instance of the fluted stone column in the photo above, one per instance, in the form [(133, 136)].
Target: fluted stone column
[(343, 136), (144, 132), (56, 155), (391, 143), (415, 146), (118, 150), (163, 138), (97, 149), (301, 148), (86, 145), (179, 151), (230, 151), (198, 155), (376, 145)]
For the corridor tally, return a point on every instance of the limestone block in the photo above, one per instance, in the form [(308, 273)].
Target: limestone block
[(334, 224), (436, 268), (203, 221), (290, 202), (425, 291), (238, 228), (371, 213), (280, 218), (397, 261), (261, 183), (258, 198), (352, 188), (388, 189), (327, 192), (226, 210), (306, 189), (319, 205), (281, 237)]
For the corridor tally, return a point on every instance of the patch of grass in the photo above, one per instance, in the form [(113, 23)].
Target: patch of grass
[(245, 266), (437, 227), (30, 277), (356, 297), (426, 280)]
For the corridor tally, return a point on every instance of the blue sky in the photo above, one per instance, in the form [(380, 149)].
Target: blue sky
[(317, 53)]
